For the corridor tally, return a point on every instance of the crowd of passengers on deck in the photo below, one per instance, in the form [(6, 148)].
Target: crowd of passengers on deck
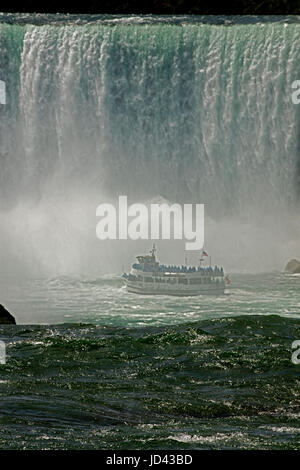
[(216, 271)]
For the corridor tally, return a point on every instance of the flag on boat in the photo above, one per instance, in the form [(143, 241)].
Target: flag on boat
[(227, 280), (204, 253)]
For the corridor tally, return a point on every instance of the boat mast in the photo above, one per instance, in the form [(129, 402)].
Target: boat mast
[(201, 257), (153, 251)]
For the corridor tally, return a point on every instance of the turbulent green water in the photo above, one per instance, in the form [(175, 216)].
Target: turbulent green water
[(148, 372), (223, 383)]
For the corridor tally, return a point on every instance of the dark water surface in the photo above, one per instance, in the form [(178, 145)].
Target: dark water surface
[(219, 383)]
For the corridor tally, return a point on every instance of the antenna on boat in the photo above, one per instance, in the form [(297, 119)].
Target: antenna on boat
[(204, 254), (201, 256), (153, 251)]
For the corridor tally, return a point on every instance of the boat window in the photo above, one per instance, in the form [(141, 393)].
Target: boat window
[(196, 281)]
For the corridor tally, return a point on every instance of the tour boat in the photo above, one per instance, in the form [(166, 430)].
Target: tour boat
[(148, 276)]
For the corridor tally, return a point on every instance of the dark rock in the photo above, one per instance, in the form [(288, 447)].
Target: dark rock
[(5, 317), (293, 266)]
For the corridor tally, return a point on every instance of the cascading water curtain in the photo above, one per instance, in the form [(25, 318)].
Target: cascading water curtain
[(188, 112)]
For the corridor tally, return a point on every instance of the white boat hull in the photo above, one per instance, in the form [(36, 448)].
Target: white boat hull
[(177, 290)]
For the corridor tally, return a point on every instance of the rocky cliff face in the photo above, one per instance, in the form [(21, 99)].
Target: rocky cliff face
[(293, 266), (5, 317)]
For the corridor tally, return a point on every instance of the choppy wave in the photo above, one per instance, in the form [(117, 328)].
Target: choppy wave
[(222, 383)]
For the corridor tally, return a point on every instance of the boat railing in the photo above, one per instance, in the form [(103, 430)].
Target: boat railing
[(216, 271)]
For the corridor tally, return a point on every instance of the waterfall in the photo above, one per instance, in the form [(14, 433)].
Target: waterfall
[(185, 111)]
